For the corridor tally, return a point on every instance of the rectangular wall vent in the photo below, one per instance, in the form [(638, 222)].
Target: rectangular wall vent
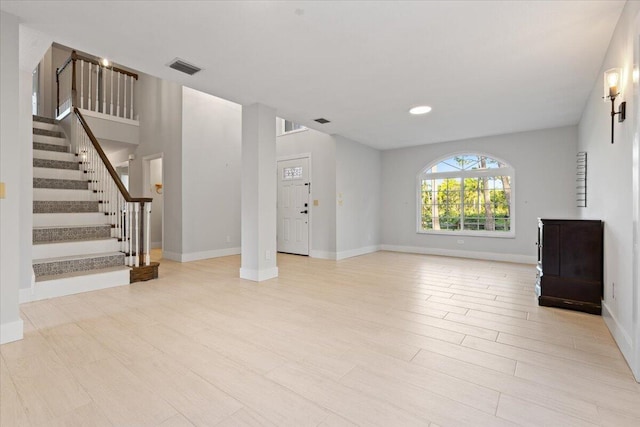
[(184, 67), (322, 121)]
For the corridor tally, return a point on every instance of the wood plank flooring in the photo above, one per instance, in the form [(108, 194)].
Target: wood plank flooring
[(385, 339)]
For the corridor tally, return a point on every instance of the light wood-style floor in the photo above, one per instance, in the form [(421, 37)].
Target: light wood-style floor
[(385, 339)]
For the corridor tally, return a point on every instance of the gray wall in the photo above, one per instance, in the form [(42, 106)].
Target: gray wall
[(161, 132), (544, 186), (610, 183), (358, 188), (211, 145), (323, 184)]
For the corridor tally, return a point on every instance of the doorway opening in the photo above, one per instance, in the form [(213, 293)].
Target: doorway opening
[(153, 185)]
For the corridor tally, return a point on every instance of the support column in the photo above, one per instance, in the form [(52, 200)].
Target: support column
[(259, 193), (11, 326)]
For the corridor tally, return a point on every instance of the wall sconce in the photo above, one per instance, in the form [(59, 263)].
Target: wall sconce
[(612, 80)]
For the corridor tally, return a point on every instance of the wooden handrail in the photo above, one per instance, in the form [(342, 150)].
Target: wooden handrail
[(96, 62), (107, 163), (61, 69), (75, 56)]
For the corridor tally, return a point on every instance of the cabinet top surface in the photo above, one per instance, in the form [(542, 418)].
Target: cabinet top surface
[(569, 220)]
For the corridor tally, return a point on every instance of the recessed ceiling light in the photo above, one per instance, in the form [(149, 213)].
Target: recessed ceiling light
[(422, 109)]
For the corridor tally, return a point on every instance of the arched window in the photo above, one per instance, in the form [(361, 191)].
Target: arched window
[(466, 194)]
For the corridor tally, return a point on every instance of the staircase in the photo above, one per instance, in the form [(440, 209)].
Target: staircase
[(73, 248)]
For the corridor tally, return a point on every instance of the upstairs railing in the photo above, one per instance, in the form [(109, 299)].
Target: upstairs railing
[(130, 217), (89, 84)]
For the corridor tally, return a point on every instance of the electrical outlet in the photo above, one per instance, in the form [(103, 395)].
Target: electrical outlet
[(267, 255), (460, 241), (613, 290), (228, 239)]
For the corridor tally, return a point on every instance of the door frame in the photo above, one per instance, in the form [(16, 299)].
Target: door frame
[(635, 186), (146, 185), (310, 217)]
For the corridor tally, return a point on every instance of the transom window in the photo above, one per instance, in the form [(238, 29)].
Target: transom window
[(466, 194)]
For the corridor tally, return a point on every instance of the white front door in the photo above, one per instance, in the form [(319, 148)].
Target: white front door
[(293, 206)]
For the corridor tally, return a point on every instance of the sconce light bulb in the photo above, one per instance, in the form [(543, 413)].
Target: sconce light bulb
[(612, 79), (105, 62), (636, 75)]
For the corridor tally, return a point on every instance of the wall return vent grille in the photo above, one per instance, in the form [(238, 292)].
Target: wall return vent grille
[(184, 67)]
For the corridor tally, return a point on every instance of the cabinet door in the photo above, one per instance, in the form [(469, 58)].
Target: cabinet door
[(581, 251), (551, 249)]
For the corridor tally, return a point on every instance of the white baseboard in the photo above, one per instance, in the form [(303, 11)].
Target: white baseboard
[(156, 245), (11, 331), (74, 285), (322, 254), (621, 337), (258, 275), (490, 256), (357, 252), (196, 256)]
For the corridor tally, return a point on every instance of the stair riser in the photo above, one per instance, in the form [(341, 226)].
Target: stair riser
[(76, 175), (71, 266), (48, 206), (55, 164), (50, 140), (47, 132), (60, 234), (54, 155), (63, 194), (53, 219), (50, 147), (68, 184), (41, 251)]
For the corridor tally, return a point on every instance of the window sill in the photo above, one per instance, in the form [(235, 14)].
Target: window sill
[(471, 233)]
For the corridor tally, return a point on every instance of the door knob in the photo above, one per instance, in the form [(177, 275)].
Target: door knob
[(304, 211)]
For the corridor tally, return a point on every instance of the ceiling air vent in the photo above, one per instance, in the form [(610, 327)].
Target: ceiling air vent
[(322, 121), (184, 67)]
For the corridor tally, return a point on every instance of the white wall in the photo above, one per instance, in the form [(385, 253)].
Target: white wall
[(358, 187), (544, 186), (11, 327), (155, 177), (323, 184), (211, 150), (160, 104), (610, 186)]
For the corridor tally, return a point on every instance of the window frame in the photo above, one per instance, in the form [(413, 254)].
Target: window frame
[(283, 130), (507, 170)]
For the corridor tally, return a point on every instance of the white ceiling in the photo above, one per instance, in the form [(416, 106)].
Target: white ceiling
[(486, 67)]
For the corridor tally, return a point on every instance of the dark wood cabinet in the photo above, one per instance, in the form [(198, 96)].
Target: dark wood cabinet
[(570, 264)]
